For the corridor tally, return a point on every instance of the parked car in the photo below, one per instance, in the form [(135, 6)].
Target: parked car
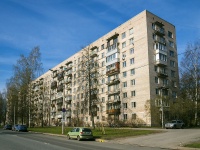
[(22, 128), (7, 127), (80, 133), (174, 124), (14, 127)]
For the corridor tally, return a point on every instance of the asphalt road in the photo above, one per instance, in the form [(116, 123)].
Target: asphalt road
[(10, 140)]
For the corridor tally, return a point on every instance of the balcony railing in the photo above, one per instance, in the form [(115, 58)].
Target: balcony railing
[(113, 111)]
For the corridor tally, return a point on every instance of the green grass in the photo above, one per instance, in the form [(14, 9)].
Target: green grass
[(193, 145), (110, 133)]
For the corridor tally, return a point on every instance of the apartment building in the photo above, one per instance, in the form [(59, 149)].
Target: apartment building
[(135, 62)]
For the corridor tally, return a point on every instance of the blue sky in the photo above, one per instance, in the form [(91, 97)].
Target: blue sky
[(61, 27)]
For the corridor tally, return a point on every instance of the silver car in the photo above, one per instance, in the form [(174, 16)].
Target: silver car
[(174, 124)]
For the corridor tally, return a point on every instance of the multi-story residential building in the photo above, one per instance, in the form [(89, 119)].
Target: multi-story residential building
[(136, 62)]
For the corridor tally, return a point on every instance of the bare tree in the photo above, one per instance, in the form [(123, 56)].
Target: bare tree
[(88, 76), (25, 70), (2, 108), (190, 76)]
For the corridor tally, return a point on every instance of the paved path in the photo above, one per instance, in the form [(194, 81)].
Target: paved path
[(172, 139)]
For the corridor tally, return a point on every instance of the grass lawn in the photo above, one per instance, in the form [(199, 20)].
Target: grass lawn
[(110, 133), (193, 145)]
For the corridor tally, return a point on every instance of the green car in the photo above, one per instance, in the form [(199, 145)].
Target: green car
[(80, 134)]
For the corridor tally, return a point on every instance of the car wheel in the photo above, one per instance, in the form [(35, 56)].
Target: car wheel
[(68, 137), (78, 138)]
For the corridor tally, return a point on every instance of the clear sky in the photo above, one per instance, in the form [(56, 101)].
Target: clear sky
[(61, 27)]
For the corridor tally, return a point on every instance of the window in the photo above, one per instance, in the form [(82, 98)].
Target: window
[(123, 44), (132, 71), (124, 54), (124, 84), (125, 116), (102, 63), (103, 99), (174, 94), (102, 55), (132, 61), (133, 93), (103, 81), (171, 44), (156, 79), (124, 74), (133, 116), (173, 74), (131, 51), (102, 46), (133, 82), (123, 35), (124, 105), (157, 91), (131, 41), (170, 34), (102, 90), (133, 104), (125, 95), (130, 31), (172, 63), (162, 57), (171, 53), (124, 64)]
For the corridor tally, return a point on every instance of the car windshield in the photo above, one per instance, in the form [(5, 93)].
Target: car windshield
[(173, 121)]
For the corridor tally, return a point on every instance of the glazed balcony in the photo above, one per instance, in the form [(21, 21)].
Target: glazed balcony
[(113, 111), (161, 62), (69, 67), (94, 53), (68, 99), (68, 73)]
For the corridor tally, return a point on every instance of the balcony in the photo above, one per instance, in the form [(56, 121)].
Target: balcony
[(160, 24), (113, 36), (60, 88), (114, 70), (68, 99), (54, 85), (161, 62), (59, 116), (114, 81), (159, 31), (69, 62), (68, 73), (68, 114), (94, 53), (69, 67), (163, 86), (55, 74), (60, 76), (113, 92), (68, 81), (162, 74), (113, 111), (116, 101), (60, 101)]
